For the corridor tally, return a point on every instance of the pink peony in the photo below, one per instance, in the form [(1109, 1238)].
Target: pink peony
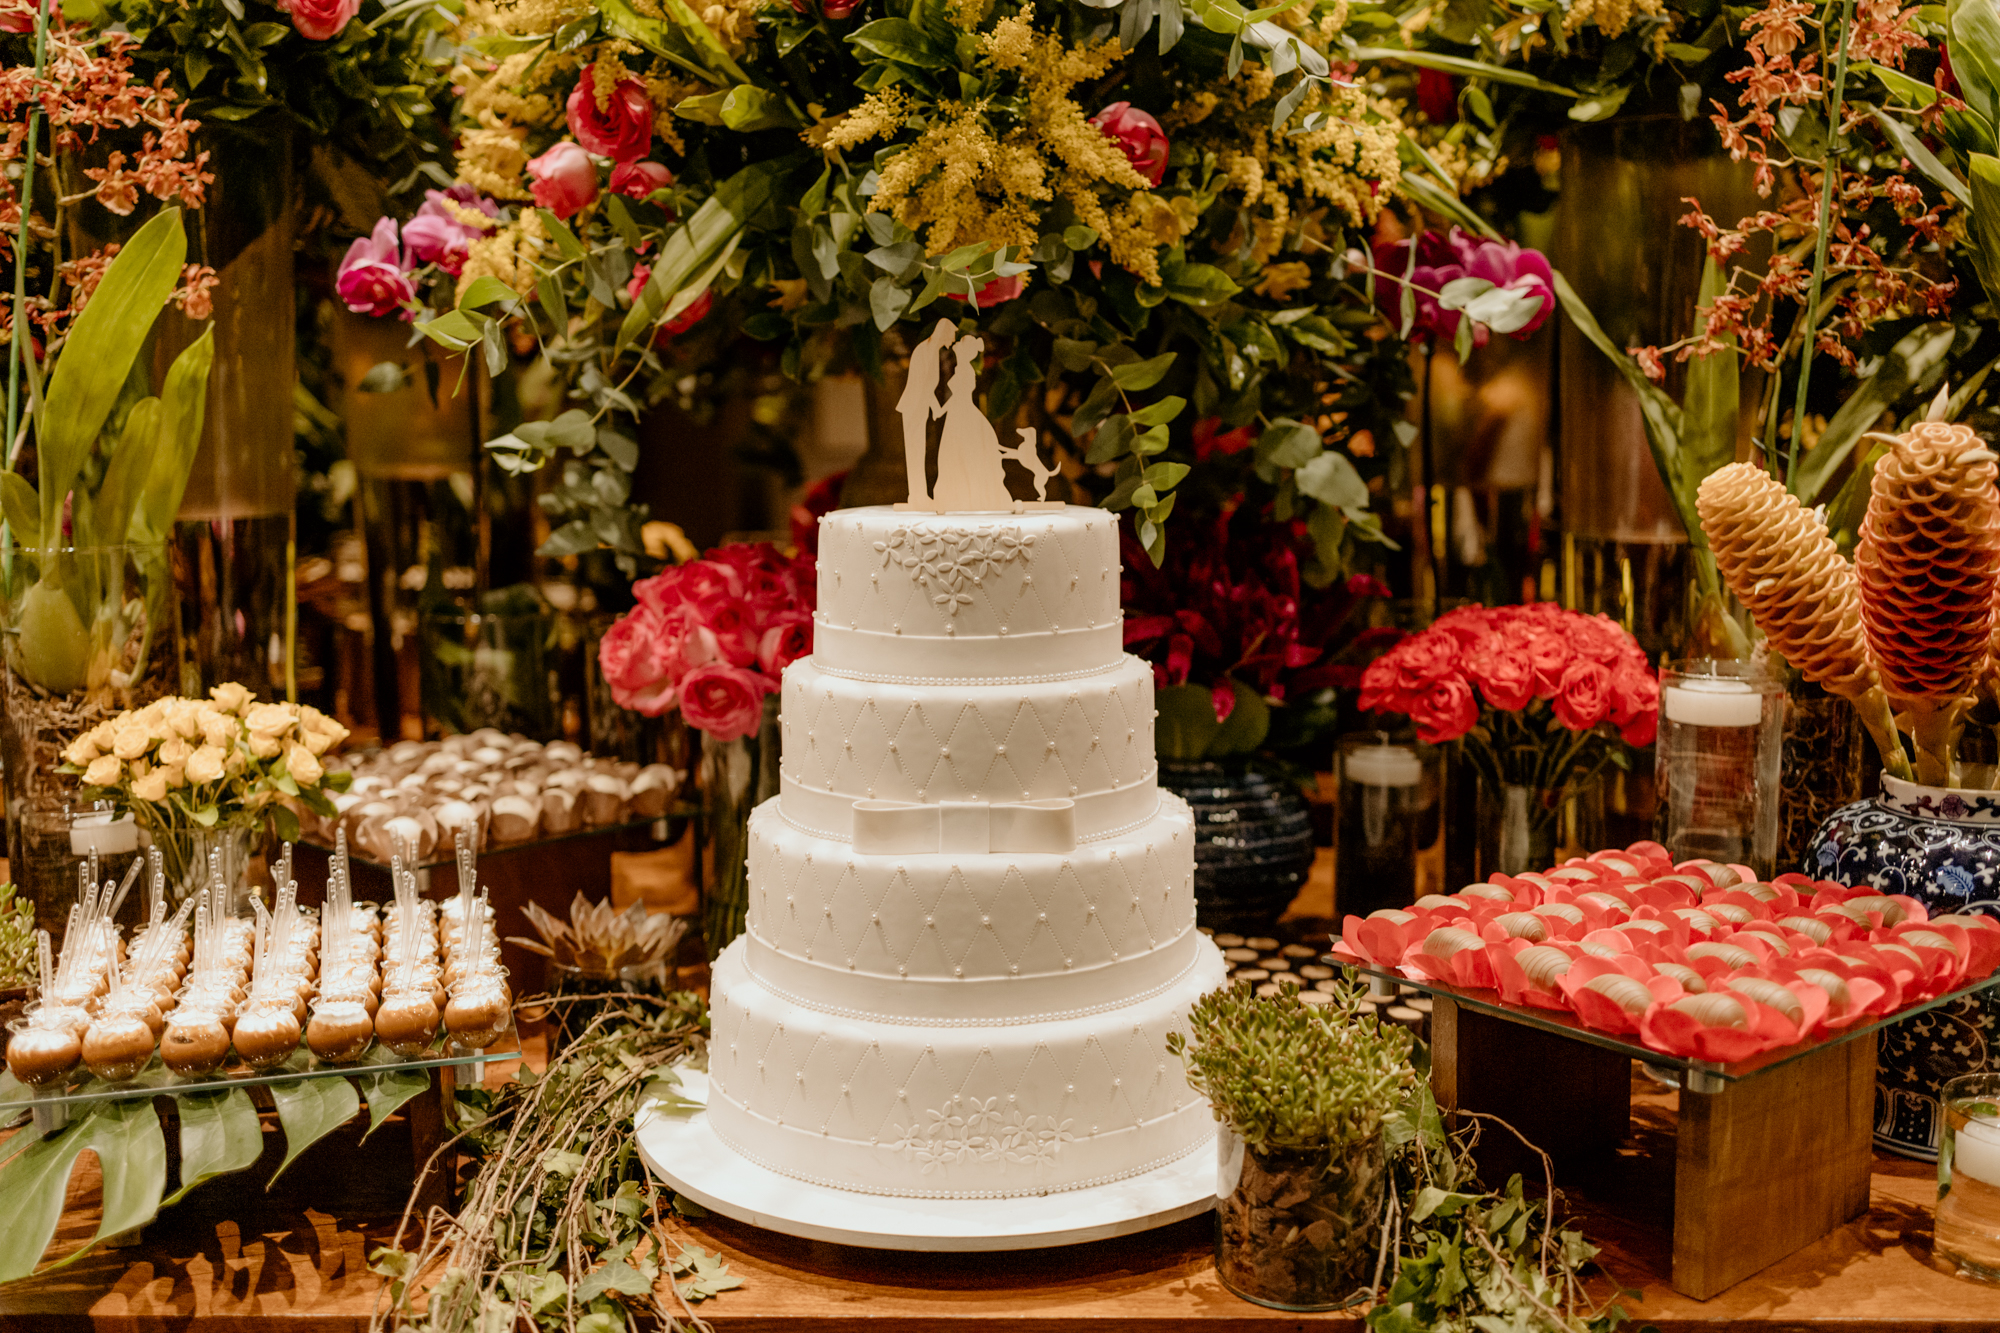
[(635, 656), (565, 179), (317, 20), (724, 701), (789, 638), (371, 279), (439, 235), (1138, 136), (621, 129), (637, 180), (1507, 265)]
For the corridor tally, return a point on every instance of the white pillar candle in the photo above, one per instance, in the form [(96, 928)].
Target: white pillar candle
[(1713, 703), (104, 835), (1383, 766), (1976, 1150)]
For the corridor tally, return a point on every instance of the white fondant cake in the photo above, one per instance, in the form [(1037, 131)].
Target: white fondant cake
[(971, 921)]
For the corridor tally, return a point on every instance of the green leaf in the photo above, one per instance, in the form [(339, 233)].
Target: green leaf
[(1901, 86), (1288, 443), (1165, 476), (1600, 106), (388, 1090), (97, 356), (1200, 285), (22, 507), (1974, 46), (1459, 65), (1711, 405), (566, 241), (384, 377), (747, 107), (1159, 413), (1186, 724), (1921, 157), (1916, 363), (219, 1134), (1136, 376), (486, 290), (1985, 222), (715, 227), (901, 41), (453, 330), (1248, 724), (887, 301), (132, 1154), (1079, 237), (309, 1110), (183, 408), (1331, 478), (617, 1276), (1435, 1202)]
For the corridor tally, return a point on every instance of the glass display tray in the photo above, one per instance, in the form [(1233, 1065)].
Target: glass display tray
[(156, 1080), (444, 855), (1695, 1075)]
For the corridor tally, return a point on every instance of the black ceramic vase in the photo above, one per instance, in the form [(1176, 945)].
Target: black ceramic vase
[(1253, 842), (1941, 847)]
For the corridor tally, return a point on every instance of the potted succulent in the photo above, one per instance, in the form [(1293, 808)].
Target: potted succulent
[(1301, 1092)]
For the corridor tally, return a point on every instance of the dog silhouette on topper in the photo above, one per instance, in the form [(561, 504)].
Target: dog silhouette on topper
[(970, 476)]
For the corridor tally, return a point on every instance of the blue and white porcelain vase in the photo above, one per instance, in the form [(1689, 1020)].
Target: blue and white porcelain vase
[(1941, 847)]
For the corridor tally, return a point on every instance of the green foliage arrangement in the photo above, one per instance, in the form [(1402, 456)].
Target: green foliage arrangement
[(115, 460), (1287, 1076), (559, 1228), (1471, 1260), (219, 1134), (18, 964)]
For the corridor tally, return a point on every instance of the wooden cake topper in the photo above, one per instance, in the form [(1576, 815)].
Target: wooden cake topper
[(970, 475)]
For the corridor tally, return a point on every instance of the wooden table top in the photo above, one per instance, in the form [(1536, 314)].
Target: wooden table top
[(234, 1259)]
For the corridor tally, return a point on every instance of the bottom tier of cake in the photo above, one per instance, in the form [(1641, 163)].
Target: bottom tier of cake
[(991, 1111)]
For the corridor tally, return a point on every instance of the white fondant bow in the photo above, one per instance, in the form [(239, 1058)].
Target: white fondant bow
[(910, 829)]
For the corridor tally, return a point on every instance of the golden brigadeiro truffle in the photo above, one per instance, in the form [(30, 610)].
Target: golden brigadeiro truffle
[(117, 1046), (339, 1031), (267, 1034), (40, 1055), (407, 1022)]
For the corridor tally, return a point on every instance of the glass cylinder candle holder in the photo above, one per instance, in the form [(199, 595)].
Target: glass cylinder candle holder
[(1389, 813), (1966, 1236), (1717, 763)]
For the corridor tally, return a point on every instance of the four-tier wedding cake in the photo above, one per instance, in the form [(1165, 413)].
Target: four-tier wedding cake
[(971, 919)]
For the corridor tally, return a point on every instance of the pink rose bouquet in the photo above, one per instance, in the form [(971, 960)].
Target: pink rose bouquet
[(1537, 696), (713, 637)]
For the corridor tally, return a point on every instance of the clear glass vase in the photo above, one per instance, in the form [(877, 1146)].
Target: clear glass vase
[(1299, 1229), (1390, 824), (1524, 828), (192, 856), (488, 669), (735, 778), (90, 631), (1717, 760)]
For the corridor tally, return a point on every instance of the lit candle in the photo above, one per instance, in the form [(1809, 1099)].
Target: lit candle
[(102, 834), (1976, 1149), (1383, 766), (1713, 703)]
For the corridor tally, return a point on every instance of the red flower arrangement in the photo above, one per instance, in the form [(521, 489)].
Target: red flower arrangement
[(713, 637), (1228, 611), (1539, 695)]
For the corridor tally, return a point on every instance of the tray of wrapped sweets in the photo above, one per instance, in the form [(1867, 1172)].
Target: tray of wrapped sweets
[(1696, 966), (199, 999), (502, 791)]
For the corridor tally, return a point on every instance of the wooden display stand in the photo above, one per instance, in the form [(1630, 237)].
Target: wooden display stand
[(1764, 1166)]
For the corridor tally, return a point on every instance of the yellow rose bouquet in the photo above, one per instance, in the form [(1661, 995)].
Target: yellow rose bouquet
[(189, 770)]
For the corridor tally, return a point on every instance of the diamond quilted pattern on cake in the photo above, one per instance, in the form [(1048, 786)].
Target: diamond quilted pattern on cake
[(969, 917), (901, 1110)]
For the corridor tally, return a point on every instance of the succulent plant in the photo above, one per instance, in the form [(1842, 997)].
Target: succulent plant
[(1286, 1075), (17, 939), (598, 940)]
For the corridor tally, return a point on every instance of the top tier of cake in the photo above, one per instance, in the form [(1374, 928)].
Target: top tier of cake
[(918, 598)]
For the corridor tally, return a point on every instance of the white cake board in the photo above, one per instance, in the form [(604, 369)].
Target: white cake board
[(681, 1149)]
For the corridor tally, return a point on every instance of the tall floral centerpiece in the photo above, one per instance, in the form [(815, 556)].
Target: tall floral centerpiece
[(205, 776), (1539, 700), (1146, 213), (95, 465), (711, 639)]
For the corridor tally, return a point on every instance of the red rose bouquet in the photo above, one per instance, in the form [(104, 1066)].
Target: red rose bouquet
[(713, 637), (1539, 697)]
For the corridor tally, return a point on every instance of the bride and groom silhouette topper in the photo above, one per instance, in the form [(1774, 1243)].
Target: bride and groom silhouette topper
[(970, 475)]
